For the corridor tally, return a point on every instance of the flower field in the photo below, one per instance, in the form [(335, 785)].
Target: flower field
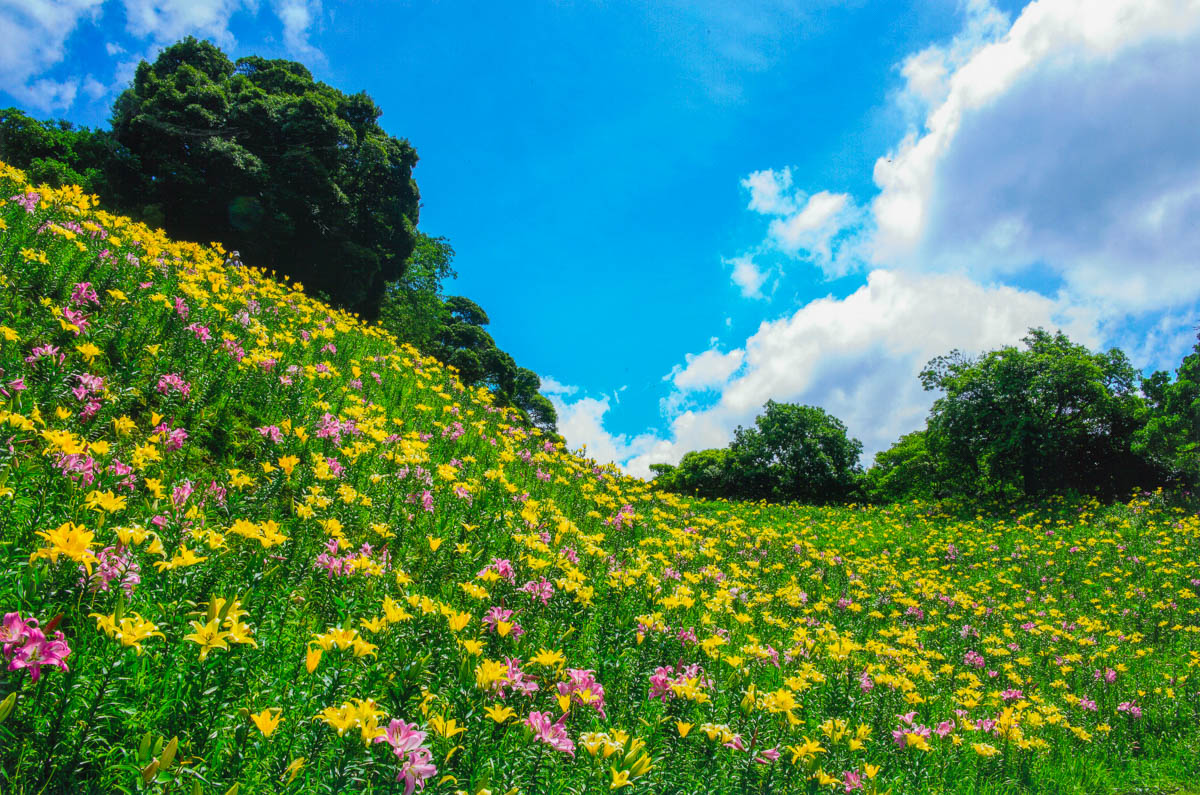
[(250, 545)]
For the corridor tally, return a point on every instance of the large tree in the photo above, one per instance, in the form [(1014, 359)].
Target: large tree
[(1171, 435), (294, 174), (904, 471), (700, 473), (1048, 418), (796, 453), (59, 153)]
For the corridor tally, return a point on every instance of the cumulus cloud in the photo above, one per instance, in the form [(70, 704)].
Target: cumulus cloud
[(581, 423), (35, 33), (1064, 141), (706, 370), (298, 18), (856, 357), (770, 192), (1057, 151), (163, 22), (926, 73), (1068, 142), (748, 277), (812, 228), (552, 386), (803, 226)]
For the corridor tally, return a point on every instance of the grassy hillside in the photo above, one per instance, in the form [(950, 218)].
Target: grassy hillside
[(248, 544)]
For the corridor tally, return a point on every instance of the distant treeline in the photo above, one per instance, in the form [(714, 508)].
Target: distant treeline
[(291, 173), (1050, 417)]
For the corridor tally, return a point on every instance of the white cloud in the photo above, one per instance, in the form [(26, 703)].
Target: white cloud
[(812, 229), (748, 276), (802, 226), (1067, 142), (552, 386), (164, 21), (298, 18), (926, 73), (35, 33), (94, 88), (769, 192), (856, 357), (581, 423), (706, 370)]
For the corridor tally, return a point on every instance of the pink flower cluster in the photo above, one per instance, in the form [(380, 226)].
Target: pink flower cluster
[(416, 760), (173, 382), (336, 565), (47, 351), (77, 466), (581, 686), (115, 564), (28, 200), (665, 676), (330, 427), (622, 518), (503, 567), (84, 293), (514, 678), (541, 589), (87, 391), (497, 614), (553, 734), (25, 645), (907, 727)]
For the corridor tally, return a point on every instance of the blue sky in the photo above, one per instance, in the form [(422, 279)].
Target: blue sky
[(675, 212)]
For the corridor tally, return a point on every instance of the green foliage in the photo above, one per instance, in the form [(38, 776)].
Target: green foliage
[(796, 453), (905, 471), (792, 454), (412, 305), (57, 153), (1047, 419), (452, 330), (1171, 434), (700, 473), (290, 172)]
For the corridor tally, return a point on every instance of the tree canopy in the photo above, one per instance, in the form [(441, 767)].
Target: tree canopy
[(793, 453), (255, 154), (1170, 436), (1049, 418), (1016, 423), (294, 174)]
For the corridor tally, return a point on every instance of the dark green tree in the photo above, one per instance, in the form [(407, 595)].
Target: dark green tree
[(1171, 434), (412, 305), (292, 173), (700, 473), (905, 471), (798, 453), (1049, 418), (58, 153)]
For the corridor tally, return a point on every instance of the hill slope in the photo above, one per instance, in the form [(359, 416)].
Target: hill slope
[(248, 541)]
